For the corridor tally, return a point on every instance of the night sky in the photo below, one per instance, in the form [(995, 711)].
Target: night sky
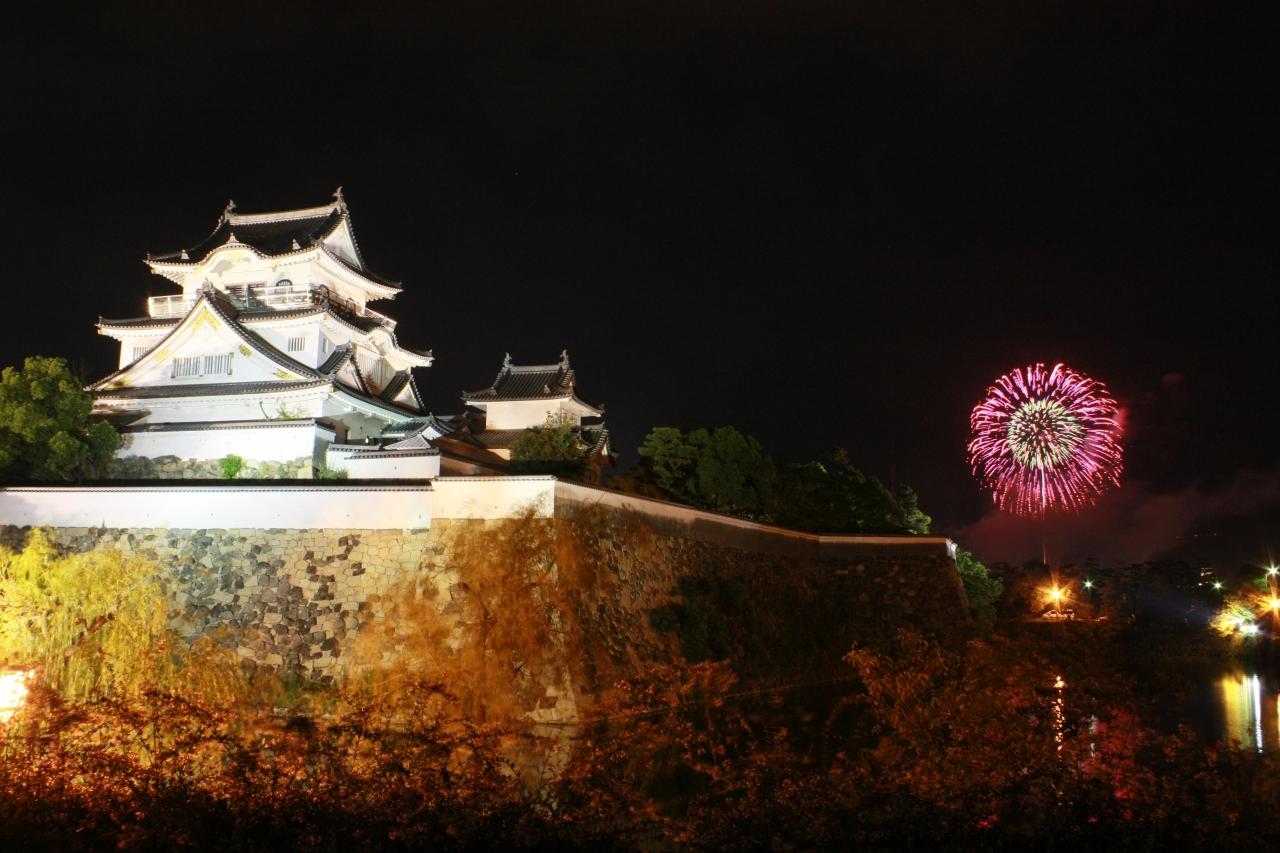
[(830, 225)]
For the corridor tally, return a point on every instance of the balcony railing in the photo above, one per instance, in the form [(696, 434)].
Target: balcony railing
[(169, 306), (259, 297)]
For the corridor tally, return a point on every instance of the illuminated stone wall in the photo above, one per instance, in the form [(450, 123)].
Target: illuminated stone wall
[(295, 600), (173, 468)]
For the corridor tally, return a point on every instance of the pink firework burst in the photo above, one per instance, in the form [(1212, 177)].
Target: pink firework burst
[(1045, 440)]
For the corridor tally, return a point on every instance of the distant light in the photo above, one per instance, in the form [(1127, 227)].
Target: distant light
[(1217, 584), (1274, 603), (13, 692), (1273, 570), (1251, 628), (1088, 584)]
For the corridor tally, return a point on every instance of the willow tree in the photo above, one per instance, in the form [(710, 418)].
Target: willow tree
[(96, 625)]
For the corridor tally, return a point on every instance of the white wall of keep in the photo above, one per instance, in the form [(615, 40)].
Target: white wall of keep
[(308, 403), (522, 414), (271, 442), (197, 507)]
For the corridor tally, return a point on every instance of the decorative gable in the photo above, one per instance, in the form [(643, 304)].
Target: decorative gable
[(207, 346)]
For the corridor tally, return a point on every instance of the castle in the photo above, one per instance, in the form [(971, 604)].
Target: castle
[(271, 354)]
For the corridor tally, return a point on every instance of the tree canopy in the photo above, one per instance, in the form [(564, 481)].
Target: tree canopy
[(554, 448), (46, 431), (727, 471), (832, 496), (982, 590), (719, 469)]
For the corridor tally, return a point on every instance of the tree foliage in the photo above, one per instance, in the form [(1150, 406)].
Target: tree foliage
[(832, 496), (727, 471), (556, 448), (97, 624), (982, 590), (46, 432), (721, 469)]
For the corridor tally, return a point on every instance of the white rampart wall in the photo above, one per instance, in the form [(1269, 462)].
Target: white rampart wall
[(217, 506), (272, 442), (383, 466), (394, 507), (494, 497)]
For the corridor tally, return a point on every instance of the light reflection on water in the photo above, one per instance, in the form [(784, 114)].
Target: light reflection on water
[(1250, 712)]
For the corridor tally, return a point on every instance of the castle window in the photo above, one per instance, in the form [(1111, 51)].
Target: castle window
[(297, 344), (214, 364), (139, 351), (186, 367)]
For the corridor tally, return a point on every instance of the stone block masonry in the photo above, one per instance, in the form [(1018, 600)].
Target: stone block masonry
[(292, 598), (622, 583)]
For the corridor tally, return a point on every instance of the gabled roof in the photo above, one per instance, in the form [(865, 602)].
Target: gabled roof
[(276, 234), (209, 301), (530, 382)]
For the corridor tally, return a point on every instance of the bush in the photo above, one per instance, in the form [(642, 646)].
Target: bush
[(230, 466)]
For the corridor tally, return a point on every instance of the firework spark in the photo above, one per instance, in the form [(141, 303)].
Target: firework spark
[(1045, 440)]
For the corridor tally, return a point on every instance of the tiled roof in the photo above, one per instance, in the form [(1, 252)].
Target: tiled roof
[(497, 439), (139, 323), (279, 233), (287, 232), (208, 389), (527, 382)]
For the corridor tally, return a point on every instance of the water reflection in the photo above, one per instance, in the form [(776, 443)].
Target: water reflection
[(1250, 712)]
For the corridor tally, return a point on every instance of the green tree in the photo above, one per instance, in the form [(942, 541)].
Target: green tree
[(982, 590), (722, 469), (554, 448), (832, 496), (46, 431), (96, 625)]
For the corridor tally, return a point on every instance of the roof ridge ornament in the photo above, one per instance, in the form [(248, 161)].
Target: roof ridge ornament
[(506, 360), (564, 357), (338, 201), (229, 209), (295, 244)]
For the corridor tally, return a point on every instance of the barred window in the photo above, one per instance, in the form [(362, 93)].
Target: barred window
[(185, 366), (215, 364), (326, 345), (139, 351), (297, 344)]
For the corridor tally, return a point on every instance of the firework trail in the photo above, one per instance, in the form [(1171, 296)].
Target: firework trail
[(1045, 439)]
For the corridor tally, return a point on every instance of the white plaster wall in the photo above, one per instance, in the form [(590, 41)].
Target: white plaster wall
[(299, 404), (493, 497), (522, 414), (422, 467), (304, 507), (265, 444)]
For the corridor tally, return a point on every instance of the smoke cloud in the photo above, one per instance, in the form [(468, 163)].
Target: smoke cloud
[(1136, 523)]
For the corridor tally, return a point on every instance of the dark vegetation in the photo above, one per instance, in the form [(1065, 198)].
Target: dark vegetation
[(726, 471), (134, 737), (46, 432)]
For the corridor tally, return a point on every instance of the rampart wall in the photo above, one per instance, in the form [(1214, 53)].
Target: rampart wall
[(780, 604)]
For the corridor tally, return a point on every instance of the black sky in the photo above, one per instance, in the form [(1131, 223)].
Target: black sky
[(826, 224)]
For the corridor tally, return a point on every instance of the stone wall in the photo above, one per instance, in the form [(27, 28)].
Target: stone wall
[(625, 596), (173, 468)]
